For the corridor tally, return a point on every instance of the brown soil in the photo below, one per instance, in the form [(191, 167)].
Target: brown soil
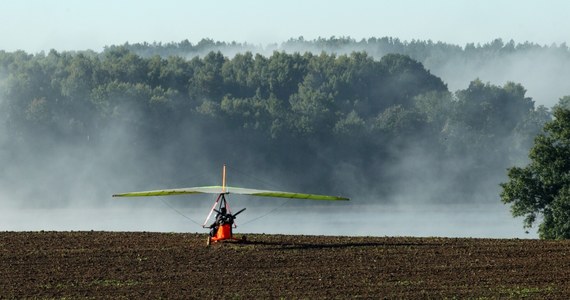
[(174, 265)]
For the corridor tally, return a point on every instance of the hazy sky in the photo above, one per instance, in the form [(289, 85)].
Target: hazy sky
[(35, 25)]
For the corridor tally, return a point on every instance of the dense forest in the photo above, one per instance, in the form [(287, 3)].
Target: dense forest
[(542, 69), (375, 125)]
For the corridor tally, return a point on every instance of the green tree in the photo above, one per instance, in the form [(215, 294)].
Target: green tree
[(485, 119), (400, 122), (436, 106), (405, 79), (492, 109), (124, 66), (542, 188), (351, 125), (286, 72), (207, 81), (236, 75)]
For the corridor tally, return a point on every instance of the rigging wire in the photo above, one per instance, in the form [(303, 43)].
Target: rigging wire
[(267, 213), (178, 212), (266, 183)]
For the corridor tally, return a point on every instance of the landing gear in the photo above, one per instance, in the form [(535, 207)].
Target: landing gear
[(221, 229)]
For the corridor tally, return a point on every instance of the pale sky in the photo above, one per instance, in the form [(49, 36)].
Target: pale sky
[(36, 25)]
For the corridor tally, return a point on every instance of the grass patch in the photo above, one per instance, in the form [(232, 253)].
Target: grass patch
[(523, 292)]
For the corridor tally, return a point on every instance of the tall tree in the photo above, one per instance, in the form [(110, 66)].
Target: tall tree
[(542, 188)]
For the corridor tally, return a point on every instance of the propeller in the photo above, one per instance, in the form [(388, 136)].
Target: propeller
[(238, 212), (228, 215)]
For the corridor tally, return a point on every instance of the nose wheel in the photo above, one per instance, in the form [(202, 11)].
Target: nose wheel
[(209, 240)]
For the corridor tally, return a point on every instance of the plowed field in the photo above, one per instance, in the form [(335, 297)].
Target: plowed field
[(174, 265)]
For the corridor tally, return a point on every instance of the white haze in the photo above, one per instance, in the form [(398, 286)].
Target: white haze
[(70, 188), (543, 73), (461, 220)]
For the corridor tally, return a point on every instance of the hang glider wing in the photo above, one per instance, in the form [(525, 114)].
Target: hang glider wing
[(229, 190)]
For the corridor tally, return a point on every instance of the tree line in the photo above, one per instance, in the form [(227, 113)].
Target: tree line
[(428, 52)]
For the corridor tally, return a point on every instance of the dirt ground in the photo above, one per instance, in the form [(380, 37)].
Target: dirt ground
[(175, 265)]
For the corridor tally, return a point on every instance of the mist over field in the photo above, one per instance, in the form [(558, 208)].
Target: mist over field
[(413, 138)]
